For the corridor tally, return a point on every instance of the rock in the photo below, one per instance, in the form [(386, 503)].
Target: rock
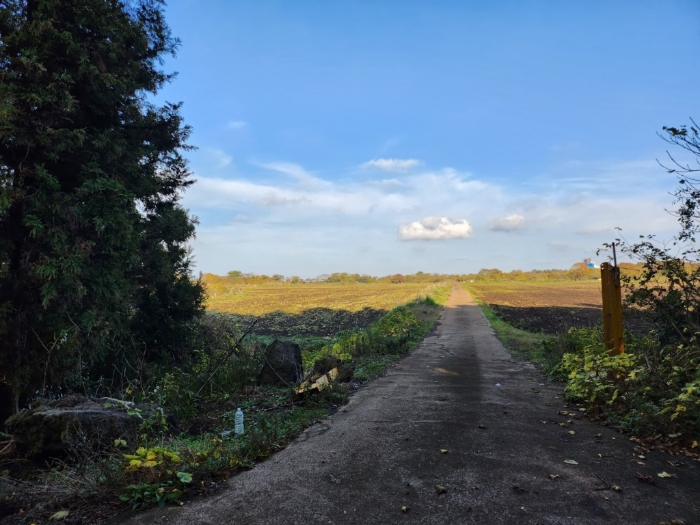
[(49, 429), (282, 364)]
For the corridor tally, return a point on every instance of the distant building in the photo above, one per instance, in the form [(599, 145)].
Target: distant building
[(590, 263)]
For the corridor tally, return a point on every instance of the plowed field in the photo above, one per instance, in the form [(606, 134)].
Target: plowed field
[(549, 307)]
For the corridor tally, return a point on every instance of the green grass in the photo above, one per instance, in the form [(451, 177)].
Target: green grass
[(205, 452), (536, 348)]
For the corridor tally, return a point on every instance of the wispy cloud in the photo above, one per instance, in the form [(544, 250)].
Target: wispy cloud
[(311, 199), (508, 223), (434, 228), (219, 158), (295, 171), (392, 164), (237, 124), (445, 190), (298, 222)]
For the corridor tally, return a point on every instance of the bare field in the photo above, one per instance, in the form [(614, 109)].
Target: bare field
[(308, 309), (543, 307), (549, 307), (260, 299), (527, 294)]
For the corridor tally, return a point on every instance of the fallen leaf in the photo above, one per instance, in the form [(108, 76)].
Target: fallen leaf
[(554, 476), (648, 479), (443, 451), (666, 475), (676, 435), (60, 515), (616, 488), (599, 435), (581, 409), (674, 463), (543, 421), (405, 509), (563, 425), (474, 487), (571, 462), (440, 489), (572, 432)]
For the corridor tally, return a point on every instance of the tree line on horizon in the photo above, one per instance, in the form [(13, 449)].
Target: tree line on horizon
[(578, 272)]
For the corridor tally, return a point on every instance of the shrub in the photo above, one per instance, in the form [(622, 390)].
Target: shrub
[(651, 389)]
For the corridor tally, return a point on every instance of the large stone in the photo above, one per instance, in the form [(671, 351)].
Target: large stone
[(282, 364), (49, 429)]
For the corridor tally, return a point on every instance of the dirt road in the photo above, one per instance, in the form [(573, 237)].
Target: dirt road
[(461, 415)]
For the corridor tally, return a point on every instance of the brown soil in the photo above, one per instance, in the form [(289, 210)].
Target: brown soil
[(319, 322), (552, 308)]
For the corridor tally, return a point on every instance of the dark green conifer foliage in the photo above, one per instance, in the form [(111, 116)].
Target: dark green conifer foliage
[(94, 265)]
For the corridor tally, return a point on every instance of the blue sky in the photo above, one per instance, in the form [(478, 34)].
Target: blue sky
[(403, 136)]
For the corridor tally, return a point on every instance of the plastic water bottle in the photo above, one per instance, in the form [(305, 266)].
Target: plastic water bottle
[(238, 422)]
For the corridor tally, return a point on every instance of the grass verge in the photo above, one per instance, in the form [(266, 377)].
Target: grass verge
[(163, 465), (539, 349)]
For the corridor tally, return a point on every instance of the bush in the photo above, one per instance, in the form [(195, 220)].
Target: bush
[(649, 390)]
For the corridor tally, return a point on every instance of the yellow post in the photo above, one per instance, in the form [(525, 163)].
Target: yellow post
[(612, 308)]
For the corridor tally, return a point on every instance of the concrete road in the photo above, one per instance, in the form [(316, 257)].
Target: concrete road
[(498, 420)]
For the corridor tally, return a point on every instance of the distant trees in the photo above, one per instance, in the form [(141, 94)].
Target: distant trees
[(581, 270), (94, 263)]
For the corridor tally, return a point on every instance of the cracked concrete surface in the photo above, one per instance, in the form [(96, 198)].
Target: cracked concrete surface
[(498, 420)]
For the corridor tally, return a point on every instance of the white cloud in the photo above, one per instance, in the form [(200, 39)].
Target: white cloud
[(435, 228), (237, 124), (349, 223), (387, 201), (322, 198), (391, 164), (219, 157), (295, 171), (388, 184), (509, 223)]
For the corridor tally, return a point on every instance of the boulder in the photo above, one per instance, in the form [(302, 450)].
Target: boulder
[(49, 429), (282, 364)]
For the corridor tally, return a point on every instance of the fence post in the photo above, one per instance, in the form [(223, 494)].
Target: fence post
[(612, 308)]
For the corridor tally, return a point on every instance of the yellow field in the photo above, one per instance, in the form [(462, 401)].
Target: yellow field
[(227, 295)]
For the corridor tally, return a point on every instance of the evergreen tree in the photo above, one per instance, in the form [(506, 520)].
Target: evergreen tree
[(94, 264)]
